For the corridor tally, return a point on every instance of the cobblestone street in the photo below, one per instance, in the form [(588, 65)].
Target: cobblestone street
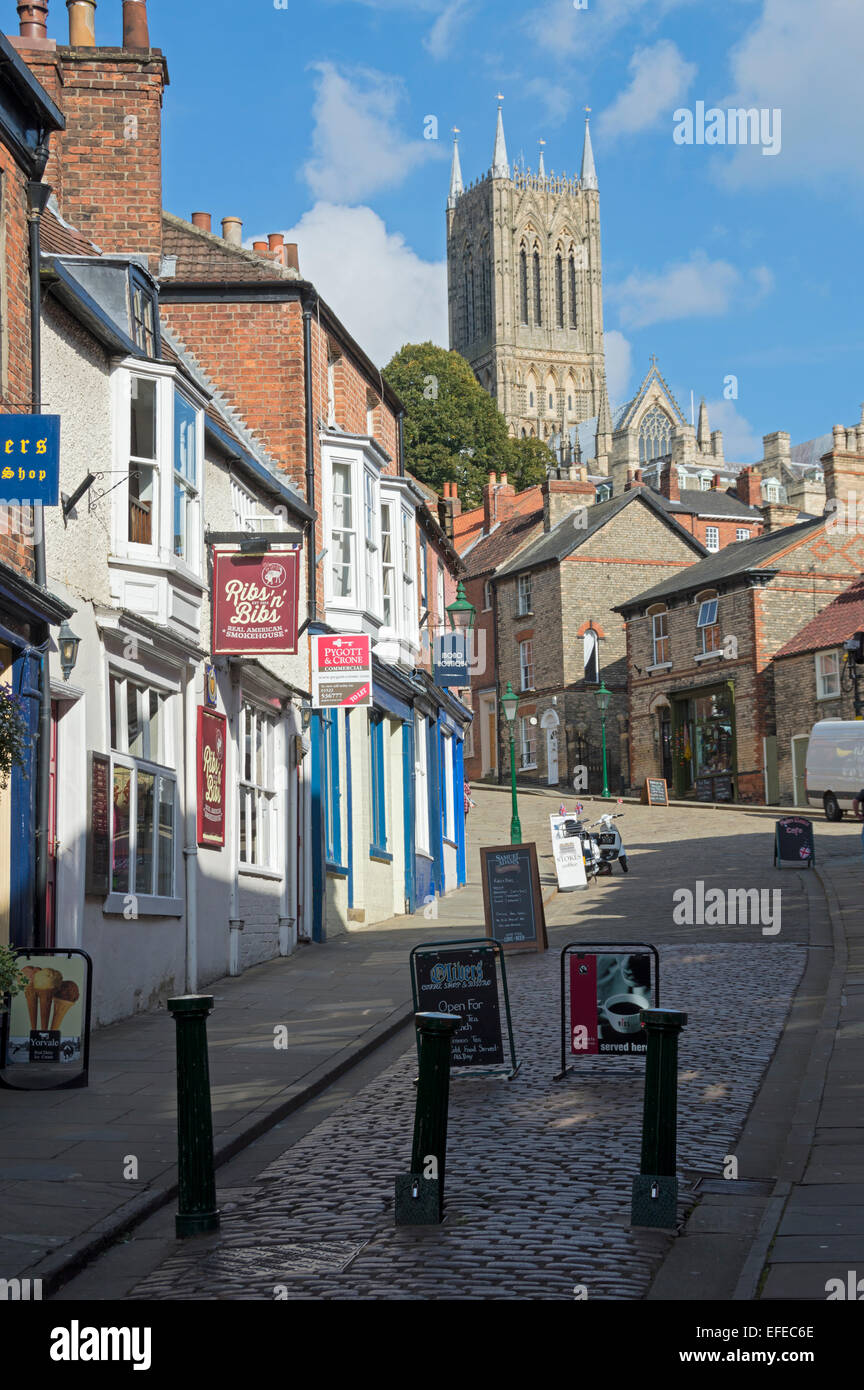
[(538, 1173)]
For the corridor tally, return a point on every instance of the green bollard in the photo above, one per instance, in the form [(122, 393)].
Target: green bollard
[(655, 1191), (196, 1210), (420, 1193)]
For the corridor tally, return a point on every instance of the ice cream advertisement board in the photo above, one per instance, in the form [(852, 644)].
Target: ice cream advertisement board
[(48, 1023)]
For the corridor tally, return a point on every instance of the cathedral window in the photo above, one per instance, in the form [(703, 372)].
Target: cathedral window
[(572, 288), (569, 402), (654, 435), (538, 311), (559, 291), (523, 286)]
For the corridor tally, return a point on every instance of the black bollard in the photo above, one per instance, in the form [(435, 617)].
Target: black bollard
[(420, 1193), (655, 1191), (196, 1207)]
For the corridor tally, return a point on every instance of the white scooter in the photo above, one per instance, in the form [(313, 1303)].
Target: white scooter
[(609, 843)]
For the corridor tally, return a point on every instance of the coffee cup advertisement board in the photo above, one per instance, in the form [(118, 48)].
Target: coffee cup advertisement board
[(607, 996)]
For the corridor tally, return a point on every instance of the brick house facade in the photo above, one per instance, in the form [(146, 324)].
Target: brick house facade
[(812, 681), (558, 635), (701, 680)]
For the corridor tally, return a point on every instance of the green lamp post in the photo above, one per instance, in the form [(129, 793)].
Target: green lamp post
[(461, 611), (603, 696), (510, 704)]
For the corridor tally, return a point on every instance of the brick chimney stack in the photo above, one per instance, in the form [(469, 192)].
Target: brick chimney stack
[(563, 496), (844, 468), (634, 480), (669, 486), (505, 499), (449, 507), (490, 516), (749, 486), (106, 167)]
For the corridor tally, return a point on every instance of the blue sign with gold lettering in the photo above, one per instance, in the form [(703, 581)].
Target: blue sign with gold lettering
[(30, 459)]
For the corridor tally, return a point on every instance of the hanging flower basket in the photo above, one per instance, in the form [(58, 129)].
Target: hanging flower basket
[(14, 734)]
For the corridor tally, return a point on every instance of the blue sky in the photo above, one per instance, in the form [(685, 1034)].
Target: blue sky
[(724, 261)]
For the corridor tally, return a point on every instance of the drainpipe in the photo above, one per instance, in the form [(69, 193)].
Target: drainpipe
[(310, 455), (401, 418), (190, 848), (37, 199)]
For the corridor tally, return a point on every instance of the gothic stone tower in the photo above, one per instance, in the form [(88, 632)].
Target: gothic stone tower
[(524, 285)]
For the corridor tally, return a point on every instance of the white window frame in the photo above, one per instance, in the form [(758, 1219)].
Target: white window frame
[(712, 538), (660, 638), (263, 795), (526, 664), (822, 659), (742, 533), (487, 595), (353, 599), (703, 625), (191, 554), (441, 615), (523, 595), (527, 742), (372, 578), (159, 767)]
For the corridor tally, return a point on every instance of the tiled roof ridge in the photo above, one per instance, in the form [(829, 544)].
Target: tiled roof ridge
[(229, 248)]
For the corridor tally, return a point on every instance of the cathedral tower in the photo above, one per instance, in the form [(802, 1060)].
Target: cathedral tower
[(524, 288)]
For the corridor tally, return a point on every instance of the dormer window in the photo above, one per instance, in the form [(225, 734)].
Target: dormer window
[(144, 318)]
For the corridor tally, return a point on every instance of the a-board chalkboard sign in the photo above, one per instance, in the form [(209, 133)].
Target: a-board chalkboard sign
[(512, 899), (704, 789), (655, 792), (794, 843), (464, 981), (723, 788)]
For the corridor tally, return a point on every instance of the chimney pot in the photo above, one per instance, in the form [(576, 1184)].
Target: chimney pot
[(277, 245), (260, 246), (291, 258), (82, 23), (202, 220), (136, 31), (232, 230), (33, 20)]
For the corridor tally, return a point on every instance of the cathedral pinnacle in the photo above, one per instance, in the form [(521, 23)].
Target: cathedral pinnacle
[(703, 433), (589, 173), (455, 172), (540, 169), (500, 167)]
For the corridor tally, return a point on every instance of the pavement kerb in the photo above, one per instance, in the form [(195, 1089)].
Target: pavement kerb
[(57, 1269), (802, 1130)]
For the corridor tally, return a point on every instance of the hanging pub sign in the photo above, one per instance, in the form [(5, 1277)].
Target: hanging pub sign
[(255, 603), (512, 897), (212, 742), (451, 659), (30, 459), (46, 1033), (794, 843), (341, 670)]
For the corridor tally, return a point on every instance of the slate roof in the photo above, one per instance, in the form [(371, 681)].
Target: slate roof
[(830, 628), (714, 502), (563, 539), (733, 561), (203, 256), (809, 454)]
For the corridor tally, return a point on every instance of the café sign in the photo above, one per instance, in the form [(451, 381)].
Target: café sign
[(255, 603)]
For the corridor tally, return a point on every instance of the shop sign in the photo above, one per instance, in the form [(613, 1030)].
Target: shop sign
[(255, 603), (212, 743), (46, 1033), (30, 459)]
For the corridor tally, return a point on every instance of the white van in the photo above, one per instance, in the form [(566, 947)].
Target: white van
[(835, 765)]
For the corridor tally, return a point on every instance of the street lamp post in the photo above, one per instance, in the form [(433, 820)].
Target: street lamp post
[(509, 704), (603, 696)]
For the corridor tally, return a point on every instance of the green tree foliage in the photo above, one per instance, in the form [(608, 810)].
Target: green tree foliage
[(454, 431)]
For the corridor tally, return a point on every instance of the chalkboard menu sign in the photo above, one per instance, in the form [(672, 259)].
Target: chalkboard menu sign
[(464, 981), (655, 792), (512, 900), (723, 788), (704, 789), (98, 865), (793, 842)]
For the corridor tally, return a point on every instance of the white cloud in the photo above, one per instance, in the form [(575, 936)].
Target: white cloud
[(444, 32), (619, 366), (659, 77), (357, 148), (555, 99), (689, 289), (804, 60), (563, 30), (741, 443), (380, 288)]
